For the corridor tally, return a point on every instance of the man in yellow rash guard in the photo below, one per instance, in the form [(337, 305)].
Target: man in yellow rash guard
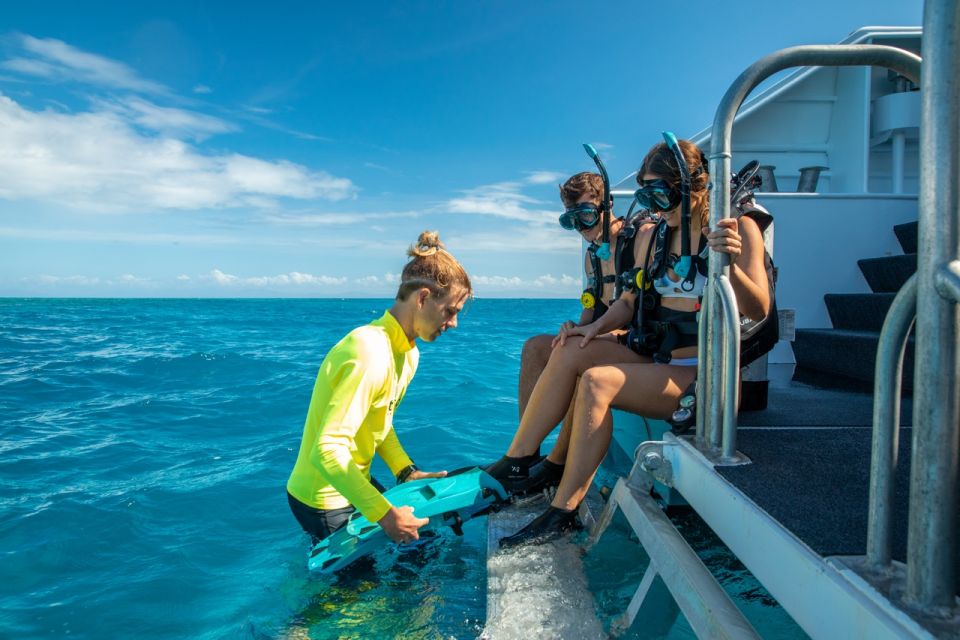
[(360, 383)]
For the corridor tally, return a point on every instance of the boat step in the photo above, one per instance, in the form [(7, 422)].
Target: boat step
[(887, 274), (858, 311), (907, 235), (845, 353), (536, 590)]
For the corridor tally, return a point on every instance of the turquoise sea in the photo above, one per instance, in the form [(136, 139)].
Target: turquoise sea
[(145, 447)]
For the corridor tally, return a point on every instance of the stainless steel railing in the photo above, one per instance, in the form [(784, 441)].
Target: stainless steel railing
[(930, 297), (718, 368), (931, 534)]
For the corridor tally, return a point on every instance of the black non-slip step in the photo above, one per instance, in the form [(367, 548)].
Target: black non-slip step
[(844, 352), (907, 236), (858, 311), (887, 274)]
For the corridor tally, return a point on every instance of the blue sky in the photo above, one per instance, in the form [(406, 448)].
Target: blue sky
[(297, 149)]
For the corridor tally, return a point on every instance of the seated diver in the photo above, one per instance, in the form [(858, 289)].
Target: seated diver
[(360, 383), (582, 196), (648, 374), (588, 210)]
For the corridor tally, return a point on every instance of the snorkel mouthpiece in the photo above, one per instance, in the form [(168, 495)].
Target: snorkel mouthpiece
[(682, 267), (604, 251)]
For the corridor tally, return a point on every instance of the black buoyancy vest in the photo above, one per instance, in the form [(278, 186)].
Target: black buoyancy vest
[(622, 261), (656, 331)]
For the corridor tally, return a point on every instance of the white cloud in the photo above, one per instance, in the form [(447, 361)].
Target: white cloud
[(166, 120), (71, 280), (533, 239), (55, 59), (129, 278), (502, 200), (544, 177), (223, 278), (183, 278), (292, 279), (547, 284), (97, 160), (202, 88), (336, 219), (378, 281)]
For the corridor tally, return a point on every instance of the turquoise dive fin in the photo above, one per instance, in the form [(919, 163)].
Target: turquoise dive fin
[(451, 500)]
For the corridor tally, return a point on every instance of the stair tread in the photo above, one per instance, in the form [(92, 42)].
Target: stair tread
[(888, 273), (907, 235), (858, 310)]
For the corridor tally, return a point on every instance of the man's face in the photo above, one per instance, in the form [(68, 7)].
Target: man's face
[(593, 233), (436, 315)]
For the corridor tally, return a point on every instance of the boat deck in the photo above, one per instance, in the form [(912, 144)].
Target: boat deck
[(810, 453)]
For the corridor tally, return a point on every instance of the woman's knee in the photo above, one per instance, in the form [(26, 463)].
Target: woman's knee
[(537, 348), (599, 385), (571, 356)]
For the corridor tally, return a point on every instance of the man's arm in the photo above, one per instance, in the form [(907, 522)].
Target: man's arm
[(393, 454), (355, 385)]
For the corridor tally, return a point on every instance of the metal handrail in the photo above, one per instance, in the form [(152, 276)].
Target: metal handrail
[(718, 404), (731, 365), (886, 422), (931, 535)]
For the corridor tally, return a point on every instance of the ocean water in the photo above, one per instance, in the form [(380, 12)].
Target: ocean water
[(144, 449)]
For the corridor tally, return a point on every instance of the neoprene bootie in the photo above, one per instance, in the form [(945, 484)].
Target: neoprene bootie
[(542, 475), (512, 473), (549, 525)]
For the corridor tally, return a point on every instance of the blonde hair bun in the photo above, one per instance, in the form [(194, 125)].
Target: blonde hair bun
[(427, 244)]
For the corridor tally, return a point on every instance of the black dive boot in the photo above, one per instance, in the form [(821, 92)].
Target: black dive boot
[(542, 475), (512, 473), (549, 525)]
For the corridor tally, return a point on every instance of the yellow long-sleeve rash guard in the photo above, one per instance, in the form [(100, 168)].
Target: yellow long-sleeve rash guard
[(360, 383)]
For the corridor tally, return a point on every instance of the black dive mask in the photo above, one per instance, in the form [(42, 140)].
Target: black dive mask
[(580, 217), (657, 196)]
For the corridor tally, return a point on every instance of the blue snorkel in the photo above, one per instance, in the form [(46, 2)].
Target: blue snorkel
[(682, 266), (604, 251)]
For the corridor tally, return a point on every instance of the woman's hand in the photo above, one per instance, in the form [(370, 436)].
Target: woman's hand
[(589, 332), (561, 336), (725, 238)]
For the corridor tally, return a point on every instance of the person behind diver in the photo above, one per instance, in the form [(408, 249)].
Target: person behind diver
[(648, 374), (587, 200), (360, 383)]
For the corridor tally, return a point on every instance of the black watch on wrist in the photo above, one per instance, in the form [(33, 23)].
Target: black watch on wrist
[(405, 473)]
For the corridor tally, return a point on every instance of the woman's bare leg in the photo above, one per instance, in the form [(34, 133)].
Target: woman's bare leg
[(555, 388), (647, 389), (558, 454), (533, 359)]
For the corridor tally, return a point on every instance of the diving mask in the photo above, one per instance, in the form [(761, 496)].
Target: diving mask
[(580, 217), (657, 195)]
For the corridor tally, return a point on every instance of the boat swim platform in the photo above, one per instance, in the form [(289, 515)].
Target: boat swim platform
[(797, 512), (538, 590)]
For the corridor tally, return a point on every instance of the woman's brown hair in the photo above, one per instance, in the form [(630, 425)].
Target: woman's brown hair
[(433, 267), (661, 162)]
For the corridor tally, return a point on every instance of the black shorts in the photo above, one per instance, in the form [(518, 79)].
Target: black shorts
[(320, 523)]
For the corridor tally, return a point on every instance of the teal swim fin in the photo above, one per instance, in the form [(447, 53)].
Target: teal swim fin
[(452, 500)]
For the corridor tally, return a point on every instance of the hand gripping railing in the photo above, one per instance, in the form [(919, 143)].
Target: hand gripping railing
[(717, 377)]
